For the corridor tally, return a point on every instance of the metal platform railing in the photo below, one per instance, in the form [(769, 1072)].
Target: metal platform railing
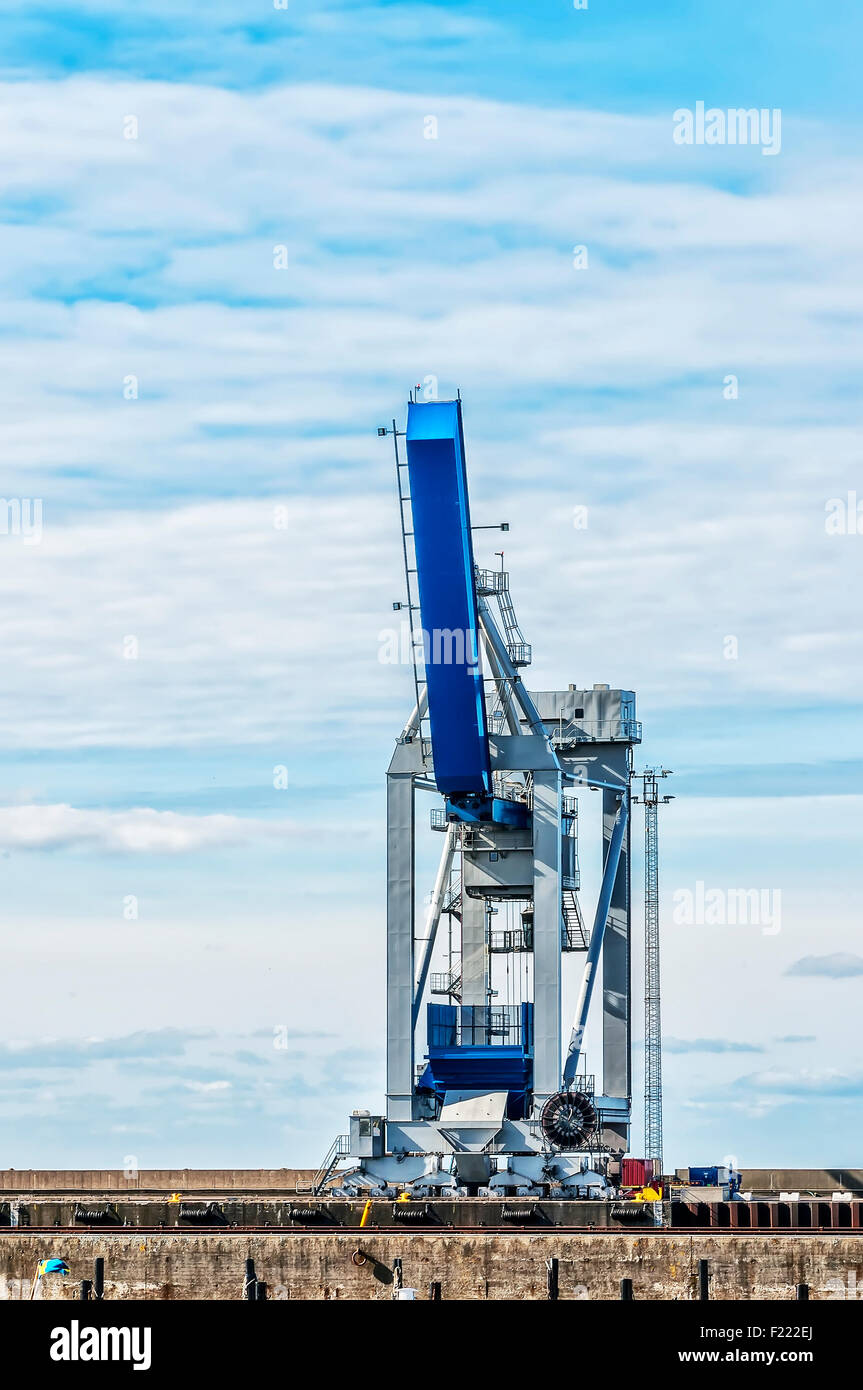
[(446, 982), (563, 734), (514, 939), (475, 1025), (490, 582)]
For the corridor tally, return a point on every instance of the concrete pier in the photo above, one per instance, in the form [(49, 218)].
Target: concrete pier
[(357, 1266)]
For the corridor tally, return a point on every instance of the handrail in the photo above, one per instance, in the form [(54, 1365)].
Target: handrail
[(340, 1148), (594, 730)]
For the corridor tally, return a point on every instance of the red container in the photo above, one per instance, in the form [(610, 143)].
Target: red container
[(635, 1172)]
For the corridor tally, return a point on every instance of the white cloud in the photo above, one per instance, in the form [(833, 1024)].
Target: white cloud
[(840, 965), (249, 634), (768, 818), (410, 257), (244, 631), (827, 1082), (406, 256), (429, 24), (137, 831)]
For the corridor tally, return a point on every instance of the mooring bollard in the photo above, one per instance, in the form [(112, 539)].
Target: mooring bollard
[(84, 1291), (802, 1295), (250, 1281), (626, 1290), (704, 1280), (434, 1291), (99, 1278), (552, 1278)]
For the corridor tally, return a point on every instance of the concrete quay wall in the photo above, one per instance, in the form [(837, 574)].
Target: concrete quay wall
[(360, 1266)]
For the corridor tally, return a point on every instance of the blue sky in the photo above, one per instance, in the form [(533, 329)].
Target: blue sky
[(621, 57), (236, 518)]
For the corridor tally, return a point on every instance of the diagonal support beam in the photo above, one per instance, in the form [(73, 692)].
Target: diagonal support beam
[(597, 938), (507, 669), (440, 889), (414, 724), (503, 686)]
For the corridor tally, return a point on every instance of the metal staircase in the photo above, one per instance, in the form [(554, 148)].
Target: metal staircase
[(495, 584), (339, 1149), (575, 933), (520, 653), (452, 901)]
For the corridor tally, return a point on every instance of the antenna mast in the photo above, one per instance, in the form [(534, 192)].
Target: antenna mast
[(651, 800)]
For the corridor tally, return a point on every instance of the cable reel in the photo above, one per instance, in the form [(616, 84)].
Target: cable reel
[(568, 1119)]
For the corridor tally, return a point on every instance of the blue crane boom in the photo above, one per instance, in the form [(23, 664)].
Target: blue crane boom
[(447, 594)]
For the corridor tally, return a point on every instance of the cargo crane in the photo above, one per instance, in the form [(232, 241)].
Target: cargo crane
[(482, 1097)]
